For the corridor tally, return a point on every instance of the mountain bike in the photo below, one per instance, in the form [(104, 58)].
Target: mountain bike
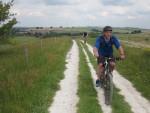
[(107, 80)]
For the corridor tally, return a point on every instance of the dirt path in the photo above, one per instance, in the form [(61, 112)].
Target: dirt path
[(66, 98), (100, 92), (138, 103)]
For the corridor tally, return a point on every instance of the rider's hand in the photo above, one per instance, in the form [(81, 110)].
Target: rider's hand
[(122, 57), (96, 55), (95, 51)]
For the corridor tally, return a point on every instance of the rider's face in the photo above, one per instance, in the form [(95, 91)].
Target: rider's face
[(107, 34)]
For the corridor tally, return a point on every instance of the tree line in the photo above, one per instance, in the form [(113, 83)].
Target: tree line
[(7, 19)]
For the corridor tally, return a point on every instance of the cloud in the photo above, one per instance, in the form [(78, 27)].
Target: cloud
[(82, 12), (117, 2), (131, 17), (92, 17), (57, 2), (104, 13), (48, 2), (61, 2)]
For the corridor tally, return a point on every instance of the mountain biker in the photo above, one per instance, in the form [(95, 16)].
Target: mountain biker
[(85, 35), (104, 48)]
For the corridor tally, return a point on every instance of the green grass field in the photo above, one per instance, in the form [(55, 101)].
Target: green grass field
[(143, 38), (136, 69), (28, 82), (31, 68)]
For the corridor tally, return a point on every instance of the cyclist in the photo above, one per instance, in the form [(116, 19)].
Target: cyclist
[(104, 48), (85, 35)]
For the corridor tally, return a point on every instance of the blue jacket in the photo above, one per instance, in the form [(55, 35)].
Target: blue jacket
[(105, 48)]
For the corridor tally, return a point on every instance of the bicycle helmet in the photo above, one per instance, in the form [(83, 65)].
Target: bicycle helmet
[(107, 28)]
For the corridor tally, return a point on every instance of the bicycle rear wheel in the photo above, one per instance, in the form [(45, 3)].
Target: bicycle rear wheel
[(108, 90)]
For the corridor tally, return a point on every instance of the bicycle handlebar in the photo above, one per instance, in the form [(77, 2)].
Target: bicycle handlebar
[(118, 58), (114, 58)]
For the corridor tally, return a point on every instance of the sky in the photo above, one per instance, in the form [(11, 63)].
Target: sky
[(116, 13)]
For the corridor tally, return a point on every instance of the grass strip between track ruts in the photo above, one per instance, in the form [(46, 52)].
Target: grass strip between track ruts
[(88, 102), (118, 103)]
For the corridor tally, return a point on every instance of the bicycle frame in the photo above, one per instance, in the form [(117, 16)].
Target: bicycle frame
[(107, 66)]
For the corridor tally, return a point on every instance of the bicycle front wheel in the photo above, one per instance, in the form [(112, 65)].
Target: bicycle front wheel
[(108, 90)]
